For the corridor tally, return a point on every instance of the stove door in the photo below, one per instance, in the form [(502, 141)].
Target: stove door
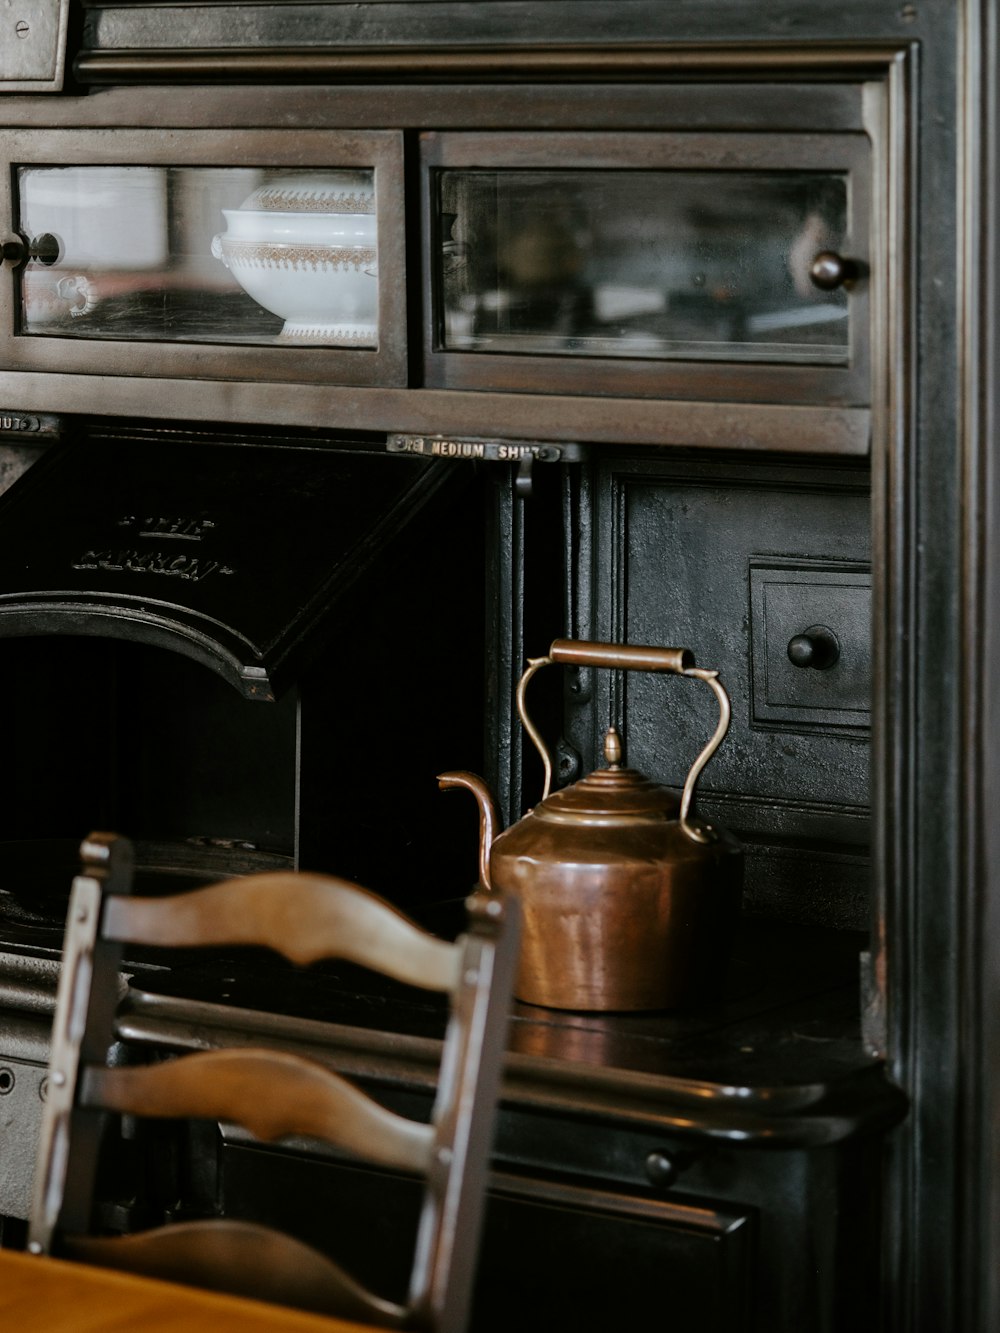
[(228, 551)]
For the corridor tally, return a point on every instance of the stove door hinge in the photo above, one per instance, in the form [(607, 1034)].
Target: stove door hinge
[(874, 1020)]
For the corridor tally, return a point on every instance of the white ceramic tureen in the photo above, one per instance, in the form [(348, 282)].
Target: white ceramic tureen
[(305, 248)]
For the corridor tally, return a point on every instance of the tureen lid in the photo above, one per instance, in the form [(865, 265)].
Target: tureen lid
[(314, 192)]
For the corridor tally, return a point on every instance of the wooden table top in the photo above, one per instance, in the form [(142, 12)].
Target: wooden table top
[(39, 1294)]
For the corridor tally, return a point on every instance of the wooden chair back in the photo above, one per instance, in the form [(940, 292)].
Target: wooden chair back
[(272, 1093)]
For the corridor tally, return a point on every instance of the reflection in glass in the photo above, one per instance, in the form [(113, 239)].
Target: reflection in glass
[(202, 254), (660, 264)]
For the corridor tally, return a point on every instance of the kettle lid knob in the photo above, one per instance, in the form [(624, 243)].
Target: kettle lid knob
[(612, 748)]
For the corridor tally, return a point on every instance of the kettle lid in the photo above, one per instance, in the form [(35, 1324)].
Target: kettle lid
[(613, 791)]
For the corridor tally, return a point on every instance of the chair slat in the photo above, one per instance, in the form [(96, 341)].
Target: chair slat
[(305, 917), (273, 1094), (243, 1259)]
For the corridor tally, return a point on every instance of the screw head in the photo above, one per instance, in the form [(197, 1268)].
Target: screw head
[(661, 1169)]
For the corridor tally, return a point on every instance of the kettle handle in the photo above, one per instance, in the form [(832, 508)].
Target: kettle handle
[(633, 657)]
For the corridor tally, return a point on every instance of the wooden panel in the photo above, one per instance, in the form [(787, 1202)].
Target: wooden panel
[(742, 427), (45, 1295)]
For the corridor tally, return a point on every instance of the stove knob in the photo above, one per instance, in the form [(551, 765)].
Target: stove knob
[(816, 647)]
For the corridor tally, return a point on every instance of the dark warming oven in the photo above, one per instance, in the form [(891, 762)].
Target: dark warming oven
[(352, 355)]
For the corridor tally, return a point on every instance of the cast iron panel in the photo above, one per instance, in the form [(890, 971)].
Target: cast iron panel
[(227, 551), (553, 1255), (680, 548), (23, 1088)]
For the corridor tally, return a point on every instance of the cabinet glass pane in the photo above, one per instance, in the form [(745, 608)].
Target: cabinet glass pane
[(201, 254), (657, 264)]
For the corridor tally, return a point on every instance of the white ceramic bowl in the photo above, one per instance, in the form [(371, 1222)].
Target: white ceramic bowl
[(306, 249)]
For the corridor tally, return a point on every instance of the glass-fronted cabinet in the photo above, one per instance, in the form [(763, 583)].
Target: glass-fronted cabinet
[(239, 255), (664, 266), (632, 263)]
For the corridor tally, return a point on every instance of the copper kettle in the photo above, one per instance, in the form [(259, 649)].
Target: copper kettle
[(629, 901)]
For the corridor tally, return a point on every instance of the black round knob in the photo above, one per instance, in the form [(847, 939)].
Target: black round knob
[(816, 647), (663, 1167), (45, 248), (829, 270)]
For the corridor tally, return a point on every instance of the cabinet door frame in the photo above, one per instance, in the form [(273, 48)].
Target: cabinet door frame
[(291, 149), (732, 381)]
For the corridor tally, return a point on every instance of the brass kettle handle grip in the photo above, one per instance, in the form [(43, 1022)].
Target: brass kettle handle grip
[(620, 656), (632, 657)]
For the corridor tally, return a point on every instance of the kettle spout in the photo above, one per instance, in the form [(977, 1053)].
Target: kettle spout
[(487, 815)]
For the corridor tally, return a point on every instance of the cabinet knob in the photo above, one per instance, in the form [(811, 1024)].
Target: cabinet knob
[(16, 250), (829, 271), (663, 1168), (816, 647)]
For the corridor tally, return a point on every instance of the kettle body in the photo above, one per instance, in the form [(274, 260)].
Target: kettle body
[(621, 909), (628, 901)]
